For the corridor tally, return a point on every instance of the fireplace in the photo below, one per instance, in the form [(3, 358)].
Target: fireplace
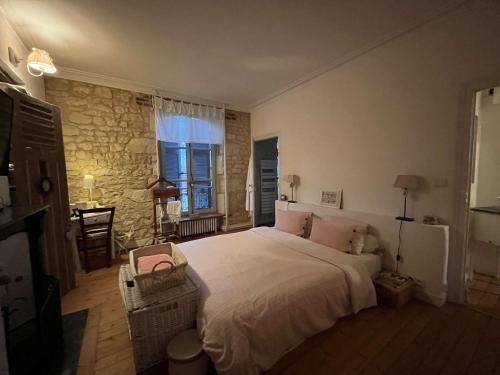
[(30, 300)]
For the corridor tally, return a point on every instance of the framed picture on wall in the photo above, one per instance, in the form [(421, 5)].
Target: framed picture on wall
[(331, 198)]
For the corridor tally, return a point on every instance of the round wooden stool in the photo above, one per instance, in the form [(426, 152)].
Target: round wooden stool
[(186, 356)]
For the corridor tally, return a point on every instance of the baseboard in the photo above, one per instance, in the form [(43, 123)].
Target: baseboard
[(228, 228), (433, 299)]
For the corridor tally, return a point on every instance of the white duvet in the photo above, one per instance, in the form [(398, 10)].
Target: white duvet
[(265, 291)]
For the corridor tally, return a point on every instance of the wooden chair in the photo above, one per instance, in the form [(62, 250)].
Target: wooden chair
[(96, 225)]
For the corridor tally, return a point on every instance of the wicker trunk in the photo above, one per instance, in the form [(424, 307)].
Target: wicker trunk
[(155, 319), (157, 281)]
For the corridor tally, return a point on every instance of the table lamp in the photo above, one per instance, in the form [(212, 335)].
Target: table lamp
[(89, 183), (406, 182), (293, 180)]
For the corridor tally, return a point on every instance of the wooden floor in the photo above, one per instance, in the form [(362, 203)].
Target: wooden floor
[(418, 339), (484, 294)]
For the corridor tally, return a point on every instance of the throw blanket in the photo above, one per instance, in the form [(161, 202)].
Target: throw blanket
[(266, 291)]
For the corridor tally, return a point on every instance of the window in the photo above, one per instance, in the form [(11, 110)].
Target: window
[(191, 167)]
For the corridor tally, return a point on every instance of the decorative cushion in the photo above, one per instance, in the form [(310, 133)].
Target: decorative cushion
[(336, 234), (145, 264), (293, 222), (358, 242), (360, 228)]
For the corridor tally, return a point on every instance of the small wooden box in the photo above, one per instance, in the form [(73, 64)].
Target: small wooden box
[(390, 295)]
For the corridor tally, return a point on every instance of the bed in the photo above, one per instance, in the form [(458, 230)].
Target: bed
[(265, 291)]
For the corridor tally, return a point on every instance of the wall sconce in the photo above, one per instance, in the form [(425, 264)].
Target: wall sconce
[(40, 62), (293, 180), (406, 182)]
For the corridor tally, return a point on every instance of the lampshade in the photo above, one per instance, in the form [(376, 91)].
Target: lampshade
[(89, 181), (406, 181), (39, 62), (292, 179)]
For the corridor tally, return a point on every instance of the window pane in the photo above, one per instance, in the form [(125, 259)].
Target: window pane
[(173, 144), (189, 166), (175, 162), (204, 146), (202, 192), (184, 200), (201, 164), (202, 184), (181, 184)]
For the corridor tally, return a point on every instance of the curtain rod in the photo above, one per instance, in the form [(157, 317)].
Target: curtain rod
[(183, 101)]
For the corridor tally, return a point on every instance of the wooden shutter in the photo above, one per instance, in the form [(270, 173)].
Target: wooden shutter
[(38, 152)]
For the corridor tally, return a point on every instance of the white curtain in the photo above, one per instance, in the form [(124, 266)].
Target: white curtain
[(249, 189), (188, 123)]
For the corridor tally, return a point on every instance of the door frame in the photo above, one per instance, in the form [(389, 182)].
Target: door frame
[(459, 233), (258, 139)]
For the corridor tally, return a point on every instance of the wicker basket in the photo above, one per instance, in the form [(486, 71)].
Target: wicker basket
[(158, 280), (155, 319)]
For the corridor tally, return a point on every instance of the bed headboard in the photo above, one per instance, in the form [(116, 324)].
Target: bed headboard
[(424, 247)]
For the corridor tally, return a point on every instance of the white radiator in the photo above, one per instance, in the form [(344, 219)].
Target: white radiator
[(198, 225)]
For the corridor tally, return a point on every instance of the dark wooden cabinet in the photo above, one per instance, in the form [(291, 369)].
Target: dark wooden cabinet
[(30, 300), (37, 153)]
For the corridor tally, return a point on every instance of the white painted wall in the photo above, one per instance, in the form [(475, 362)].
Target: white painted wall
[(484, 257), (424, 248), (393, 110), (477, 151), (488, 166), (8, 38), (487, 186), (484, 243)]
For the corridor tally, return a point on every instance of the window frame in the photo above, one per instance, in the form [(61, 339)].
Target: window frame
[(190, 181)]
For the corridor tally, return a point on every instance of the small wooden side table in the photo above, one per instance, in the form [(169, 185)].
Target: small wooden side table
[(393, 290)]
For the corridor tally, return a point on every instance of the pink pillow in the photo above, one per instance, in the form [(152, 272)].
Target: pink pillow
[(146, 264), (293, 222), (335, 234)]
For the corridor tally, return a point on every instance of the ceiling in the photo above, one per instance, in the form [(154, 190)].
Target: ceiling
[(238, 52)]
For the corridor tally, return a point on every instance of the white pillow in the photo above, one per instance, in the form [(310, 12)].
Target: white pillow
[(371, 244)]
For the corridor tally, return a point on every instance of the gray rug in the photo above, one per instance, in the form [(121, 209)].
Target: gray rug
[(73, 331)]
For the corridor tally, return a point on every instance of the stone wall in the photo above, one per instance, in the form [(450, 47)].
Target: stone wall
[(108, 135), (238, 149)]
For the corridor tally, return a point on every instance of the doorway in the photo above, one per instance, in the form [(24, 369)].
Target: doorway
[(266, 177), (483, 239)]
